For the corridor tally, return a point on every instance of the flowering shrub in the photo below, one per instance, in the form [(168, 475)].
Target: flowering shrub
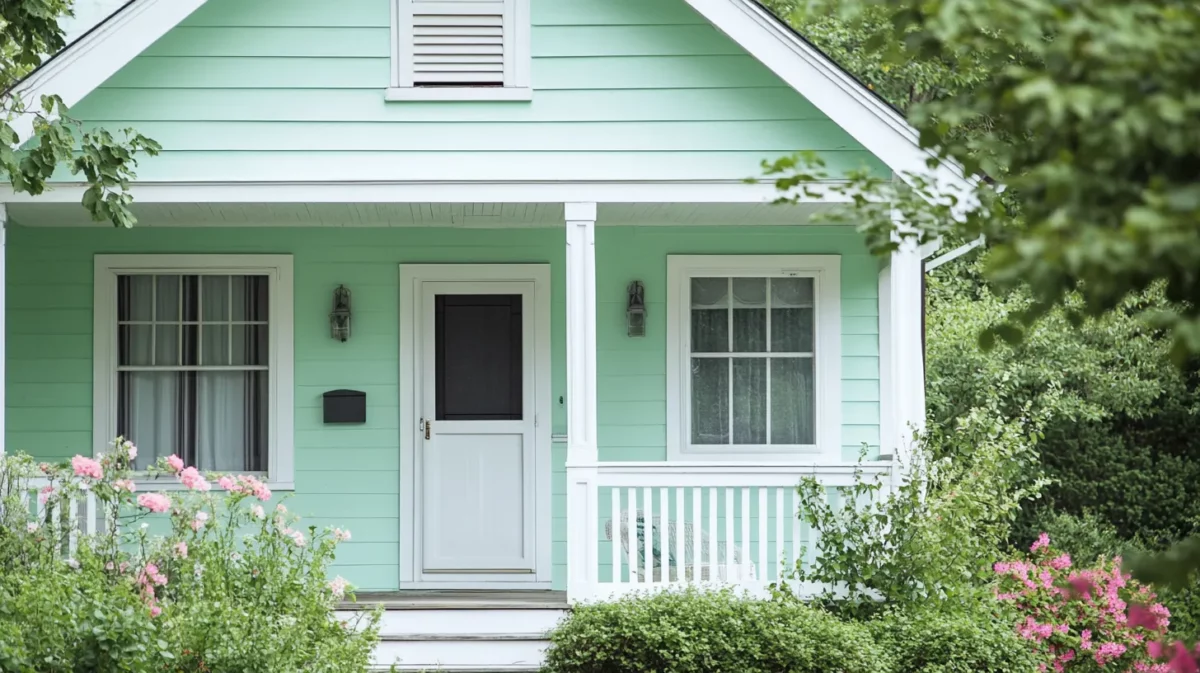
[(1088, 619), (235, 584)]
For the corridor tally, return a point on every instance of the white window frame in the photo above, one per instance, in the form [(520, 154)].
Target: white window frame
[(825, 270), (516, 74), (281, 360)]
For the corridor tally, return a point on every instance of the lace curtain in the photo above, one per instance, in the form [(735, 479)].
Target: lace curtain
[(192, 369), (752, 351)]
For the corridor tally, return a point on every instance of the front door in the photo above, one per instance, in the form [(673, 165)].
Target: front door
[(476, 431)]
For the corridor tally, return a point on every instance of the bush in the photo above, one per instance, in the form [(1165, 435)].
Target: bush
[(708, 632), (978, 640), (232, 586)]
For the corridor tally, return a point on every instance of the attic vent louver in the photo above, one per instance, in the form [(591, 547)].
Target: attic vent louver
[(458, 49)]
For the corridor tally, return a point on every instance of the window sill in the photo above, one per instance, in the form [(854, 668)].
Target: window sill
[(466, 93), (749, 454), (153, 485)]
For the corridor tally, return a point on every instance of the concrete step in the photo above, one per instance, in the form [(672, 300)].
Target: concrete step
[(475, 651), (459, 620)]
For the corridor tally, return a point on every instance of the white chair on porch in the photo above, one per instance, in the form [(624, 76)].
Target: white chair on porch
[(740, 565)]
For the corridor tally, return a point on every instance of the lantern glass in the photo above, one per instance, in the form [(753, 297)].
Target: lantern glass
[(635, 312), (339, 317)]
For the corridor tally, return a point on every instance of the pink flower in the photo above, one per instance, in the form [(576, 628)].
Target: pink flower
[(86, 467), (125, 485), (202, 516), (175, 463), (1042, 542), (257, 512), (1085, 639), (181, 550), (44, 494), (155, 502), (191, 478), (1107, 652), (341, 535), (31, 527), (297, 537), (229, 484), (338, 587), (155, 611), (130, 450), (1061, 562)]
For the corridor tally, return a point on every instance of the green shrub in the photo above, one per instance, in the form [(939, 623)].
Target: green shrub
[(709, 632), (978, 640)]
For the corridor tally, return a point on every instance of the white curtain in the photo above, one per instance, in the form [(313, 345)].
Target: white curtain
[(731, 395), (212, 418)]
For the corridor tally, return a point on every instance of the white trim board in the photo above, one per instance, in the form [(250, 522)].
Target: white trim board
[(665, 191), (826, 272), (87, 62), (411, 278), (281, 361)]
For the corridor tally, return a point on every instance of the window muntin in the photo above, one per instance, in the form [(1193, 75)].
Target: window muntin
[(751, 360)]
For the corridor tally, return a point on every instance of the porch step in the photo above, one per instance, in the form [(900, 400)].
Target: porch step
[(400, 622), (473, 651), (456, 669)]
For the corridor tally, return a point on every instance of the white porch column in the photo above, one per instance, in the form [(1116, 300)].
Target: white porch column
[(582, 523), (902, 366)]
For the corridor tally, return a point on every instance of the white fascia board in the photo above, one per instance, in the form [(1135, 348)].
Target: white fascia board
[(870, 121), (86, 63), (702, 191)]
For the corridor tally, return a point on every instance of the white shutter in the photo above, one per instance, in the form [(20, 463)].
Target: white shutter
[(455, 43)]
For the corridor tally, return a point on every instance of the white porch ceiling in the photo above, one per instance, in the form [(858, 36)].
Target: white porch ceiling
[(468, 215)]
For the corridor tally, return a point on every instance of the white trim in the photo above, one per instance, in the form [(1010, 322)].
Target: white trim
[(887, 375), (953, 254), (281, 387), (902, 384), (463, 93), (645, 191), (874, 124), (826, 272), (86, 63), (3, 325), (411, 278)]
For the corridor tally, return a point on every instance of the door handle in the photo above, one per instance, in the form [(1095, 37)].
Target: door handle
[(428, 426)]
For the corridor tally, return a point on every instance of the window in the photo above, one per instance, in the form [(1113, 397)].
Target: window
[(460, 50), (753, 356), (193, 357)]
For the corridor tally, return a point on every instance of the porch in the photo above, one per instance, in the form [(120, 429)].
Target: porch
[(607, 498)]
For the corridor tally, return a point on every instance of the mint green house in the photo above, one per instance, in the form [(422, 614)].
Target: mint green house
[(479, 280)]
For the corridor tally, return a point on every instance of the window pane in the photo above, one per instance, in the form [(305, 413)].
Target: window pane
[(749, 330), (167, 299), (166, 345), (133, 344), (191, 298), (791, 330), (249, 298), (710, 292), (793, 406), (750, 401), (135, 298), (792, 292), (749, 292), (710, 401), (214, 345), (479, 348), (214, 420), (710, 330), (214, 298), (249, 345)]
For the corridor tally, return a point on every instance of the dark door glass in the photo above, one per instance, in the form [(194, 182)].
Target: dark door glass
[(478, 350)]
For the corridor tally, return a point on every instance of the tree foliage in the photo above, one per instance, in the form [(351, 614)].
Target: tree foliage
[(30, 33)]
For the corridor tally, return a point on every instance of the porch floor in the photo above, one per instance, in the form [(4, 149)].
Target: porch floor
[(501, 599)]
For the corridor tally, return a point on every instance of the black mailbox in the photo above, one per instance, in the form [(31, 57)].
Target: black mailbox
[(345, 406)]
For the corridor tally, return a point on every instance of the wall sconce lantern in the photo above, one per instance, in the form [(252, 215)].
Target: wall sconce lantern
[(339, 317), (635, 312)]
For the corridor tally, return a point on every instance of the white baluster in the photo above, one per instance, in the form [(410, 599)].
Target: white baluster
[(729, 576), (764, 567), (796, 527), (697, 529), (648, 495), (780, 556), (72, 527), (631, 534), (614, 515), (90, 513), (712, 529), (680, 531), (664, 536), (744, 566)]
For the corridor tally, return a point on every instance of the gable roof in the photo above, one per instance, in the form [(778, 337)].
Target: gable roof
[(87, 62)]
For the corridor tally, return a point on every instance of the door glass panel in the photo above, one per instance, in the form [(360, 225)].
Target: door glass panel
[(478, 349)]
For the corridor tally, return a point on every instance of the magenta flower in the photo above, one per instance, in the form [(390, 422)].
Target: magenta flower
[(1061, 562), (1042, 542), (155, 502), (86, 467)]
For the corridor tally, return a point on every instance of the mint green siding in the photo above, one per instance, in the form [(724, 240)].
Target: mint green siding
[(349, 476), (294, 90)]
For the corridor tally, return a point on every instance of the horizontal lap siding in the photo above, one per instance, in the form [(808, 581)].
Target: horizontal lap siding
[(345, 476), (293, 90), (633, 371)]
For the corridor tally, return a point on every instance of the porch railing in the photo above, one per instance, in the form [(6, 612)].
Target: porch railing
[(637, 526), (65, 519)]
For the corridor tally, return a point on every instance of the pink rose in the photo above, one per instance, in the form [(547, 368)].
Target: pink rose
[(86, 467), (175, 463), (338, 587), (155, 502), (155, 611), (192, 478), (125, 485), (44, 494), (257, 512), (229, 484), (181, 550)]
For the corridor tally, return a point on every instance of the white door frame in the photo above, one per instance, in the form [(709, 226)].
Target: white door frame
[(412, 276)]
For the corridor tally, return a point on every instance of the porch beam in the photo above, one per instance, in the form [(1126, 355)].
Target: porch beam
[(902, 362)]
